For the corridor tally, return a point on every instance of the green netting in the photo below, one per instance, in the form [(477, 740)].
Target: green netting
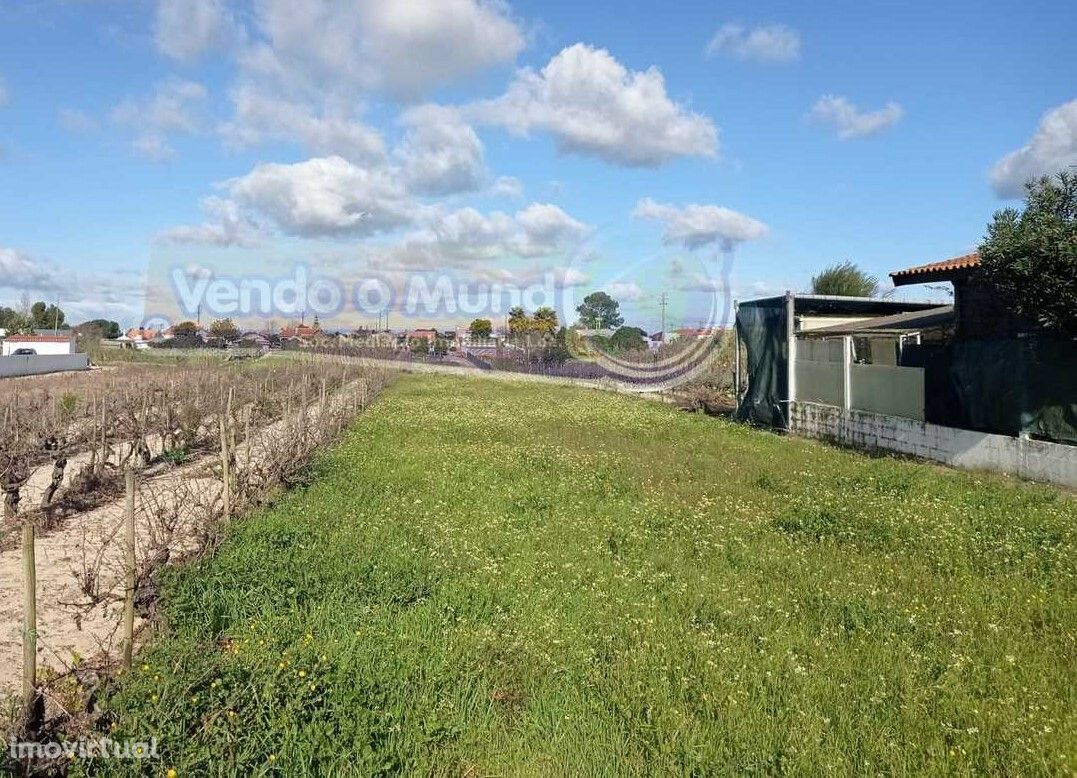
[(1006, 386), (761, 327)]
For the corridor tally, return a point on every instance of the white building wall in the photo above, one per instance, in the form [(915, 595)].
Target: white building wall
[(1035, 460), (43, 348)]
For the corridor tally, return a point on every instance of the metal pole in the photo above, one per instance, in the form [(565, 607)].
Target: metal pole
[(791, 357), (736, 356), (847, 371)]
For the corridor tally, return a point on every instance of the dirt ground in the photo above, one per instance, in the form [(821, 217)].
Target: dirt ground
[(67, 627)]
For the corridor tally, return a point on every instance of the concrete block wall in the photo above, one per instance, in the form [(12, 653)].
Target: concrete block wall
[(39, 364), (1032, 459)]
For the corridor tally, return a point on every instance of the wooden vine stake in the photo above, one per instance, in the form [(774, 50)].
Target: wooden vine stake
[(129, 570), (31, 700), (226, 460)]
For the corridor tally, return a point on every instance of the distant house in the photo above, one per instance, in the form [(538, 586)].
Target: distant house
[(43, 345), (254, 339), (300, 332), (697, 333), (139, 338), (430, 335)]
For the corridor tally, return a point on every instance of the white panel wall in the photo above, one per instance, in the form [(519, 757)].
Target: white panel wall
[(820, 382), (887, 389)]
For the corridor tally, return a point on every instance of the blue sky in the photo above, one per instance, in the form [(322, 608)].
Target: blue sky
[(609, 145)]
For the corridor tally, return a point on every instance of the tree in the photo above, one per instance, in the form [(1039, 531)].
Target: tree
[(100, 328), (1030, 257), (599, 311), (481, 329), (441, 347), (845, 280), (544, 322), (519, 321), (46, 317), (14, 322), (224, 329), (185, 328), (556, 351), (420, 346), (629, 339)]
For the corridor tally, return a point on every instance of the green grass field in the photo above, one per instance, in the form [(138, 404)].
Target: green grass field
[(519, 579)]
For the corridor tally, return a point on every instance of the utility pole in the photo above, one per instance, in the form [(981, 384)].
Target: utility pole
[(662, 303)]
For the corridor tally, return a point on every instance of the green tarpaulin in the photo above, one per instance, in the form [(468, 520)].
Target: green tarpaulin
[(761, 327), (1006, 386)]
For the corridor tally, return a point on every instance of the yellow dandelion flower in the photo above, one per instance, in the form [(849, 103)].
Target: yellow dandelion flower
[(171, 772)]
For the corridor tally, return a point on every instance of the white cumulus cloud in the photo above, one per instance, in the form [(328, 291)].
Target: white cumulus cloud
[(402, 48), (175, 107), (625, 290), (187, 29), (19, 270), (1052, 149), (440, 153), (81, 296), (226, 225), (260, 117), (768, 44), (694, 225), (592, 104), (540, 229), (851, 122), (325, 196), (507, 186), (565, 277)]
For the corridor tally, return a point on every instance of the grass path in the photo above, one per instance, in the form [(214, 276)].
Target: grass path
[(502, 579)]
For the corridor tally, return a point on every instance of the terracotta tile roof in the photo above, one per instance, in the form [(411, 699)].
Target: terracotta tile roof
[(300, 331), (935, 270), (137, 333), (40, 338)]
